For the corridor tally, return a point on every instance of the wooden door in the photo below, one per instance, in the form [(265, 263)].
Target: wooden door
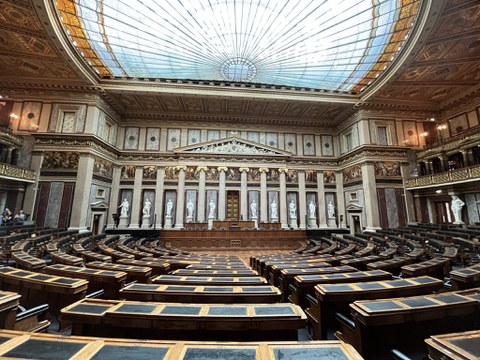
[(233, 205)]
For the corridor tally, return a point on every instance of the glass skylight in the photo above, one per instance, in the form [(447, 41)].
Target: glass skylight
[(322, 44)]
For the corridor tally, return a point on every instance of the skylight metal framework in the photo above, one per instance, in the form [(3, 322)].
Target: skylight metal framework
[(321, 44)]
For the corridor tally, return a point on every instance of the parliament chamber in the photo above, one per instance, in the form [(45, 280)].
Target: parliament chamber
[(237, 179)]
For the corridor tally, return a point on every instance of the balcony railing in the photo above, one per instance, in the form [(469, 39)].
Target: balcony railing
[(16, 172), (447, 177)]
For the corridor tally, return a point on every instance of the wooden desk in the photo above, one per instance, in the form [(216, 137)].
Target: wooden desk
[(335, 298), (9, 302), (427, 315), (93, 256), (305, 284), (275, 270), (456, 346), (158, 267), (287, 276), (37, 289), (209, 280), (28, 262), (134, 273), (202, 294), (59, 257), (24, 345), (215, 273), (360, 263), (242, 322), (393, 265), (114, 254), (110, 281), (465, 278), (438, 267)]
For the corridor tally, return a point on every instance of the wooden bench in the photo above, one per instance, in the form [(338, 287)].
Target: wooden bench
[(408, 320), (202, 294), (456, 346), (437, 267), (134, 272), (305, 284), (181, 321), (335, 298), (109, 281), (465, 278), (18, 344), (37, 289), (209, 280)]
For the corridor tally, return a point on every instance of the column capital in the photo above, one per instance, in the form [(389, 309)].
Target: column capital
[(202, 168), (283, 170), (222, 168), (263, 169), (244, 169), (181, 167)]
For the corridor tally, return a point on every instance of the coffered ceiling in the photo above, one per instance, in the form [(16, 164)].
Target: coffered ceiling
[(441, 68)]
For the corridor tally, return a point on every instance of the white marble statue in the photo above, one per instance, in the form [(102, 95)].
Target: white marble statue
[(211, 213), (124, 208), (274, 209), (190, 207), (253, 209), (147, 207), (456, 207), (331, 209), (311, 209), (169, 208), (292, 208)]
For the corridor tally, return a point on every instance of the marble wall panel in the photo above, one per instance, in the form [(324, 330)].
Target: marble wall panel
[(152, 141)]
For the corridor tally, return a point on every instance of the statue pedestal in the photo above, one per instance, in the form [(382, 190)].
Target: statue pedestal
[(146, 222), (312, 223), (274, 219), (256, 222), (168, 222), (331, 223), (293, 223), (189, 219), (123, 222), (458, 222), (210, 223)]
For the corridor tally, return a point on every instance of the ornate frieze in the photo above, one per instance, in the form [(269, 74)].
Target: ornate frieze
[(60, 160)]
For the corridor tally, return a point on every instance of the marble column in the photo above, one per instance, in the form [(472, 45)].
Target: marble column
[(302, 199), (283, 199), (465, 157), (222, 193), (429, 166), (180, 197), (159, 194), (114, 192), (408, 196), (340, 199), (244, 208), (201, 194), (371, 199), (136, 204), (321, 200), (8, 160), (81, 196), (263, 195), (32, 189)]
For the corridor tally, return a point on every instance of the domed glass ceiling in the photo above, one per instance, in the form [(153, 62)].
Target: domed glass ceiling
[(319, 44)]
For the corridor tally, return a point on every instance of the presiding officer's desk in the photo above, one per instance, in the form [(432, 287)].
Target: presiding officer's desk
[(202, 294), (287, 276), (305, 284), (109, 281), (209, 280), (410, 320), (240, 322), (16, 344), (37, 289), (134, 272), (335, 298), (231, 273), (456, 346)]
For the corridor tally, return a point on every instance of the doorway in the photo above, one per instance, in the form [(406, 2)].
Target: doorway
[(442, 212), (233, 208)]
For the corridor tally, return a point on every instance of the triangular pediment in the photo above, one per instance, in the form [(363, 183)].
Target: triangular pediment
[(98, 206), (354, 208), (232, 145)]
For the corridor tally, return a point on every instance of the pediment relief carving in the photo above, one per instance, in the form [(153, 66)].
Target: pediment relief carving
[(232, 145)]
